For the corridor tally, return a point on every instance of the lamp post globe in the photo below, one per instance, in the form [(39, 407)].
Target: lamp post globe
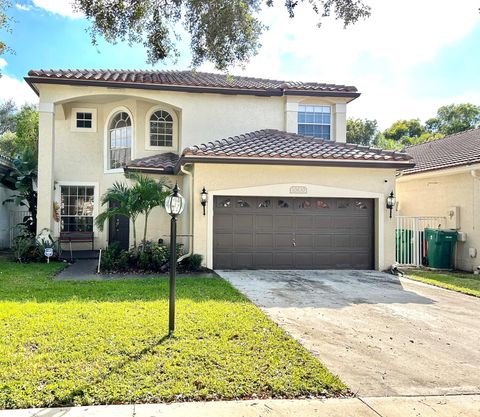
[(174, 205), (175, 202)]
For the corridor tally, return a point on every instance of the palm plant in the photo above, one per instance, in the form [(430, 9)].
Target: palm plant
[(151, 194), (121, 200)]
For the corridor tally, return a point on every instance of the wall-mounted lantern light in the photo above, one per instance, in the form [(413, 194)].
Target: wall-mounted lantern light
[(391, 203), (204, 196), (174, 205)]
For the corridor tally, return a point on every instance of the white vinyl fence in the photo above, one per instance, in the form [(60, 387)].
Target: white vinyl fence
[(410, 238)]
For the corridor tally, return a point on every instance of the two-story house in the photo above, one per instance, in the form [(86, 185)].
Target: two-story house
[(284, 189)]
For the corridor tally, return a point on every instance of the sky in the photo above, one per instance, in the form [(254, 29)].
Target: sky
[(409, 58)]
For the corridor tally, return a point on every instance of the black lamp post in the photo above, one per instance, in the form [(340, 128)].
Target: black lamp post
[(391, 203), (174, 205)]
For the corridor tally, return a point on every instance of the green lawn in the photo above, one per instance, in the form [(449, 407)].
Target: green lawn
[(79, 343), (457, 281)]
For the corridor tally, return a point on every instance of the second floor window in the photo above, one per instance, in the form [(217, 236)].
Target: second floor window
[(161, 129), (314, 121), (120, 140)]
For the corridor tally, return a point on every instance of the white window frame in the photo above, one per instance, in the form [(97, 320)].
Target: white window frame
[(76, 110), (172, 113), (319, 124), (58, 199), (106, 141)]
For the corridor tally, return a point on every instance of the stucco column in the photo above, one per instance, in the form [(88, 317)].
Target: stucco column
[(291, 110), (46, 147), (340, 122)]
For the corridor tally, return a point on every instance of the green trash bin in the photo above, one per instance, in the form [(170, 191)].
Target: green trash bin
[(441, 247)]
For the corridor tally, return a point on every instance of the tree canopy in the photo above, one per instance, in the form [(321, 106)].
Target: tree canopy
[(450, 119), (18, 128), (224, 32), (455, 118), (362, 132)]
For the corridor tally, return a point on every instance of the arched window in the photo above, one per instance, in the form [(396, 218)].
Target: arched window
[(161, 129), (120, 140)]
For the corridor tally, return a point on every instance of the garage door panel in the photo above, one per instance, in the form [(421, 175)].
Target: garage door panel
[(284, 222), (324, 222), (283, 260), (264, 241), (243, 241), (305, 222), (283, 240), (323, 241), (223, 242), (243, 222), (263, 222), (304, 241), (243, 259), (284, 233), (263, 259), (304, 260), (223, 222)]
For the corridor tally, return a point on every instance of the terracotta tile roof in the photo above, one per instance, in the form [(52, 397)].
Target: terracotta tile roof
[(185, 79), (164, 162), (455, 150), (273, 144)]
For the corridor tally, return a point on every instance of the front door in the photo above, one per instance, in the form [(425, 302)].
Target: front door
[(119, 230)]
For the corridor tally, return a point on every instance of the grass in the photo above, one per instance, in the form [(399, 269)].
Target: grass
[(104, 342), (456, 281)]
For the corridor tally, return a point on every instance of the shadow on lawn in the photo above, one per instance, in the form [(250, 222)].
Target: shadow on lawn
[(78, 393)]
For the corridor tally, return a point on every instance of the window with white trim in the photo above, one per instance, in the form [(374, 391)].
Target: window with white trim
[(314, 121), (161, 129), (84, 120), (119, 140), (76, 208)]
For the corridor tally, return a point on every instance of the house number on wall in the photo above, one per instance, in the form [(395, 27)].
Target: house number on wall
[(298, 189)]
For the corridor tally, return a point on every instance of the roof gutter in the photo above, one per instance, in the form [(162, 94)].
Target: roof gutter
[(187, 88), (293, 162)]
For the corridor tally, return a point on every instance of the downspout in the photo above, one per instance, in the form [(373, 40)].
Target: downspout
[(190, 215), (475, 176)]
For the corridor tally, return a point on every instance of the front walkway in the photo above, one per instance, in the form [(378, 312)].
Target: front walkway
[(383, 336), (454, 406)]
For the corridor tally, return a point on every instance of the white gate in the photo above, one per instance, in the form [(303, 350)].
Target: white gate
[(410, 238)]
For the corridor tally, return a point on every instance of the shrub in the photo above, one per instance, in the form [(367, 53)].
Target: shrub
[(193, 262), (24, 249), (110, 257), (28, 248)]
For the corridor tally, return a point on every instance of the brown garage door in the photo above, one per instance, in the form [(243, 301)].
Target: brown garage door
[(292, 233)]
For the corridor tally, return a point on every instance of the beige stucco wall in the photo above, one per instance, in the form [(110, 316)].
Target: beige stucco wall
[(222, 179), (72, 157), (434, 193)]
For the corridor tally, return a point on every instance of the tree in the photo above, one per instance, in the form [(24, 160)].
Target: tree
[(361, 132), (455, 118), (8, 109), (121, 200), (4, 25), (24, 177), (402, 130), (225, 32), (151, 194), (21, 132)]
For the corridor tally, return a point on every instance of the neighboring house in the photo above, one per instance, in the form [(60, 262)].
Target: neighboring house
[(276, 199), (446, 182), (5, 192)]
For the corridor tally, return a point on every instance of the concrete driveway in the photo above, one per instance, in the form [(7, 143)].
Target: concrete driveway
[(384, 336)]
